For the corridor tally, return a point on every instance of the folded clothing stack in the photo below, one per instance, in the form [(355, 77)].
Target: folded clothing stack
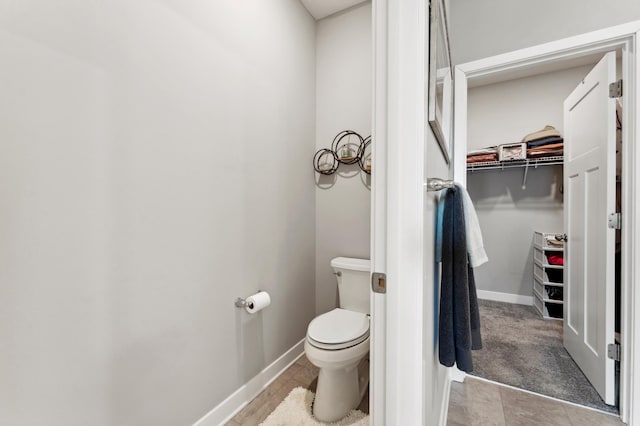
[(555, 259), (554, 240), (544, 143), (483, 155)]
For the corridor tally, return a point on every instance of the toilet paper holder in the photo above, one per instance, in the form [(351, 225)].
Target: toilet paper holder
[(242, 303)]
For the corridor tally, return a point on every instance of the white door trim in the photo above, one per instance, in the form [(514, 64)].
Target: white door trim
[(622, 37), (398, 204), (406, 126), (377, 385)]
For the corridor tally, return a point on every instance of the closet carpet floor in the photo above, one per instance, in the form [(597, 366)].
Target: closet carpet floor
[(523, 350)]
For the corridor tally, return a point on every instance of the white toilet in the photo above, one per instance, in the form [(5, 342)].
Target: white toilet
[(338, 340)]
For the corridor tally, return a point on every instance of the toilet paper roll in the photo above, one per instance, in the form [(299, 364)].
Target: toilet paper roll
[(257, 302)]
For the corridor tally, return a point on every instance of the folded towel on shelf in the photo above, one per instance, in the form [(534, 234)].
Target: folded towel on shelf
[(482, 158), (549, 147), (546, 132), (542, 154), (544, 141), (546, 150), (487, 150)]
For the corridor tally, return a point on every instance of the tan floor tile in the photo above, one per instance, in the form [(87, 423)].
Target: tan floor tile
[(287, 388), (524, 409), (472, 402), (312, 386), (254, 413), (264, 404), (285, 377), (585, 417), (302, 373), (475, 403), (303, 361)]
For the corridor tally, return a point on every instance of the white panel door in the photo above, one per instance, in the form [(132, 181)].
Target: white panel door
[(589, 185)]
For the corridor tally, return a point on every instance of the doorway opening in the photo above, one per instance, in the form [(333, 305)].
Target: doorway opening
[(534, 193), (524, 286)]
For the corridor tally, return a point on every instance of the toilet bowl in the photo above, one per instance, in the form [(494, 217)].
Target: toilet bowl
[(337, 342)]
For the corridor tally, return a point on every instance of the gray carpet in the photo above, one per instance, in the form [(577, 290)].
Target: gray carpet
[(523, 350)]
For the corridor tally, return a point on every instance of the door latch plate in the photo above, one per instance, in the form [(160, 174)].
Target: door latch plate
[(379, 282)]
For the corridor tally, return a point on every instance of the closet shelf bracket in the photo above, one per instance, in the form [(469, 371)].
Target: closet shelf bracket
[(524, 178)]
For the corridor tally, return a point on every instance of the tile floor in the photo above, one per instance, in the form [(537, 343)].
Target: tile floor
[(301, 373), (472, 403), (477, 402)]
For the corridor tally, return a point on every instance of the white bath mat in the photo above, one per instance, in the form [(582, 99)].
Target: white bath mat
[(295, 410)]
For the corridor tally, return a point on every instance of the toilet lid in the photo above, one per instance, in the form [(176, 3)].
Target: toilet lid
[(338, 329)]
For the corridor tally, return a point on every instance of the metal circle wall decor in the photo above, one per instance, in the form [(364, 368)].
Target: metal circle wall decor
[(344, 150), (364, 157), (325, 162)]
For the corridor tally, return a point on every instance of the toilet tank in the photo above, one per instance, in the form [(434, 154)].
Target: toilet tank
[(353, 283)]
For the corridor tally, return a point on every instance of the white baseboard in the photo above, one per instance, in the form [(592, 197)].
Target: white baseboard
[(457, 375), (505, 297), (444, 408), (228, 408)]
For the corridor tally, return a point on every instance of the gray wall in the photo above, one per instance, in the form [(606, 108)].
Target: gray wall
[(508, 215), (488, 27), (343, 93), (154, 166)]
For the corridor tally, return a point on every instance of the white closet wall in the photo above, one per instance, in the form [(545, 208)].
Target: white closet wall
[(508, 214)]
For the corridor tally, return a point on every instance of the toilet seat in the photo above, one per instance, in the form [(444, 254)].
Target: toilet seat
[(338, 329)]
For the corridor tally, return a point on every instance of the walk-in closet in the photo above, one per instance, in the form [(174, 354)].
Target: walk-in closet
[(519, 172)]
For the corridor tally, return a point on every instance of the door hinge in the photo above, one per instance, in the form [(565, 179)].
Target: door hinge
[(615, 89), (613, 351), (379, 282), (615, 221)]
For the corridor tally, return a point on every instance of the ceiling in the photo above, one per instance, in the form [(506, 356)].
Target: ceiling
[(322, 8)]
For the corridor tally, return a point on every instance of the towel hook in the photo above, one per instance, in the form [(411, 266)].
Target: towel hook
[(437, 184)]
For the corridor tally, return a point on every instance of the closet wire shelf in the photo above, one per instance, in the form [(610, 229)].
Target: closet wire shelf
[(509, 164)]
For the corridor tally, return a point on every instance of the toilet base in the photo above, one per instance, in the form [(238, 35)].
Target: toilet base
[(340, 390)]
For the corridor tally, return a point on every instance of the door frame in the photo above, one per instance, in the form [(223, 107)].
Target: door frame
[(624, 37), (378, 356), (399, 392)]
